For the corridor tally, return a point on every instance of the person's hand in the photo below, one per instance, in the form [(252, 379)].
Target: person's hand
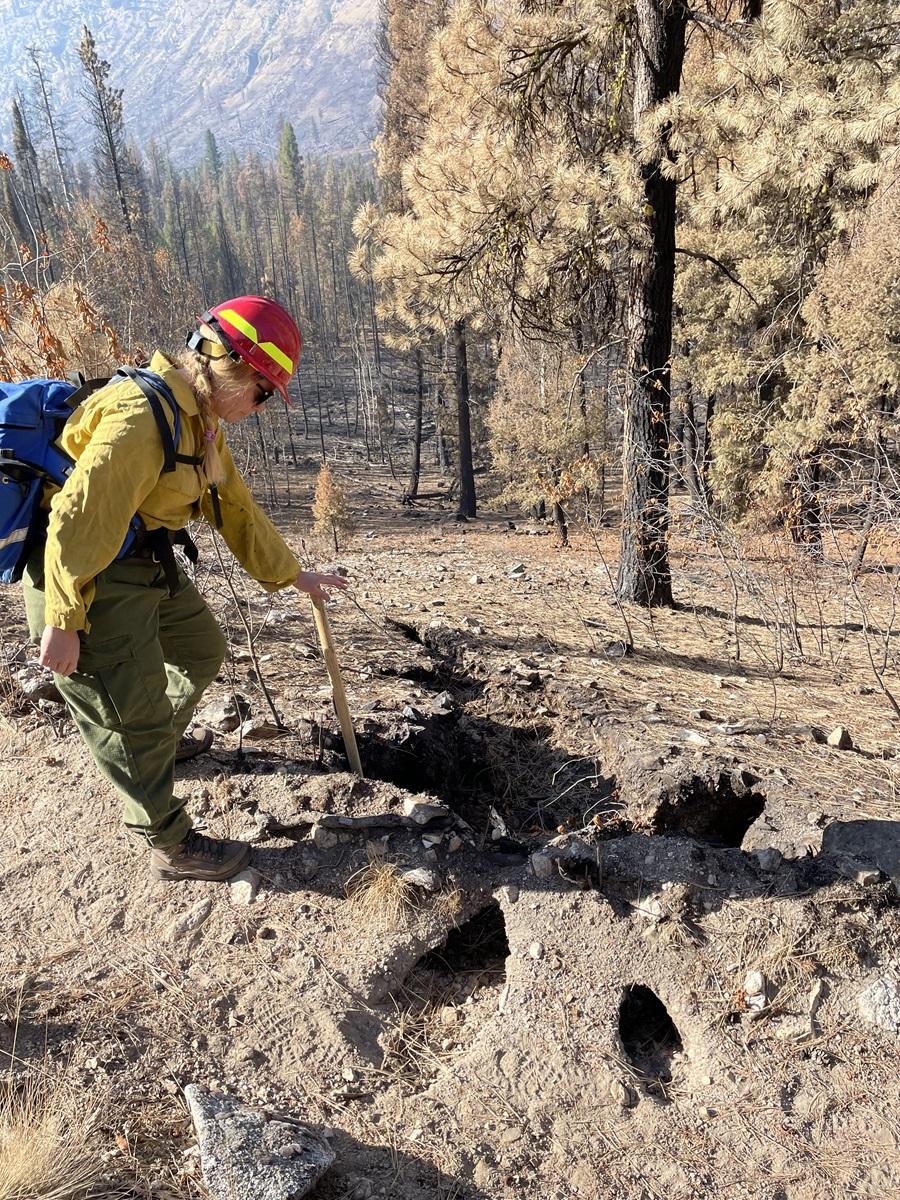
[(59, 650), (315, 584)]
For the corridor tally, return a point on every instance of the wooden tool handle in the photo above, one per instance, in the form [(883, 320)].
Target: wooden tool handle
[(323, 628)]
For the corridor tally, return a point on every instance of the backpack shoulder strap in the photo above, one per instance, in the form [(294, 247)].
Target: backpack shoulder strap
[(152, 396), (153, 386), (83, 387)]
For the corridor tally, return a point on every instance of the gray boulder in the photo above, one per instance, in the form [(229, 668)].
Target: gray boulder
[(879, 1004), (254, 1155), (867, 843)]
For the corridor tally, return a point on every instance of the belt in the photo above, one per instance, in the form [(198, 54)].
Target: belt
[(157, 544)]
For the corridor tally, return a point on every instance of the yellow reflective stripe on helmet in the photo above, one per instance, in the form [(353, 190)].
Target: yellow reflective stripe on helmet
[(278, 355), (249, 331)]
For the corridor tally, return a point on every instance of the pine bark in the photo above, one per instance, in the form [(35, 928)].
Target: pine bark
[(415, 469), (644, 573), (467, 504)]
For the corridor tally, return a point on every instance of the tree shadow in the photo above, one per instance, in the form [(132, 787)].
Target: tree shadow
[(391, 1172), (709, 610), (701, 663)]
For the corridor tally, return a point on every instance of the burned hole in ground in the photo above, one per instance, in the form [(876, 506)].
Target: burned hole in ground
[(716, 807), (475, 763), (448, 996), (649, 1038)]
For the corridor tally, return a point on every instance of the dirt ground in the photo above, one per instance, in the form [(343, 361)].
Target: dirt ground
[(636, 968)]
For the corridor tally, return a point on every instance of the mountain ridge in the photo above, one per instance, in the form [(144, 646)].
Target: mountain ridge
[(236, 67)]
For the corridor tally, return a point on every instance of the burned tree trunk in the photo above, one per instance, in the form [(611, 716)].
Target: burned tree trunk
[(467, 506), (644, 574), (806, 508), (872, 509), (412, 488)]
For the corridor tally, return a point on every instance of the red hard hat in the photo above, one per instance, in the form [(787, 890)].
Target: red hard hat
[(263, 333)]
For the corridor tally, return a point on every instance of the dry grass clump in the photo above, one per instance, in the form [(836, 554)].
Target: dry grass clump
[(380, 894), (44, 1151)]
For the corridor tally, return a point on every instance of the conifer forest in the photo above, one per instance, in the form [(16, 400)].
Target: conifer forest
[(598, 410)]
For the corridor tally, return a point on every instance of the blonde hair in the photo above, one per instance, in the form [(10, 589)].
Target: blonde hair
[(208, 377)]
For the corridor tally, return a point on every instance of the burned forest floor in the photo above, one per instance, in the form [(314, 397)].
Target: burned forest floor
[(613, 914)]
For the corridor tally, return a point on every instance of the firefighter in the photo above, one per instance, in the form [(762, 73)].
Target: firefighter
[(131, 641)]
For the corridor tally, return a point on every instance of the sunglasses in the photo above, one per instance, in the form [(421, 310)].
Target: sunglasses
[(264, 391)]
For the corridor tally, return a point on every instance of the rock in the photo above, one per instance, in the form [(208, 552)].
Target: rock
[(36, 683), (190, 921), (518, 571), (475, 579), (511, 1135), (652, 707), (525, 672), (867, 844), (422, 877), (840, 739), (224, 715), (693, 738), (421, 813), (536, 950), (325, 839), (879, 1004), (754, 983), (543, 866), (359, 1188), (768, 858), (260, 731), (443, 703), (244, 886), (868, 876), (620, 1093), (616, 649), (651, 909), (706, 1114), (249, 1154), (702, 714), (473, 625), (449, 1015), (755, 989)]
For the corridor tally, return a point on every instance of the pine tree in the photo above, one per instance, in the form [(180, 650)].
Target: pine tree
[(644, 575), (546, 173), (51, 122), (27, 162), (290, 168), (105, 105), (331, 512), (212, 159)]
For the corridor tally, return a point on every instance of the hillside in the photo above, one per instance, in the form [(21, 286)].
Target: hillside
[(651, 947), (235, 67)]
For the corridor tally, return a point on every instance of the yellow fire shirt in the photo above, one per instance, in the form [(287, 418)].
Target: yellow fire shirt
[(115, 441)]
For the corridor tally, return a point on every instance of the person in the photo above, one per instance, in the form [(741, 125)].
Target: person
[(132, 643)]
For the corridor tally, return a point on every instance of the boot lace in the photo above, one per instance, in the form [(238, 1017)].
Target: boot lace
[(197, 845)]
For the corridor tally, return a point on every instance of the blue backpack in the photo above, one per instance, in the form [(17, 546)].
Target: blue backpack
[(32, 415)]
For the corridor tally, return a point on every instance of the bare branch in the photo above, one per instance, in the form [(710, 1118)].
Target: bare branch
[(716, 263)]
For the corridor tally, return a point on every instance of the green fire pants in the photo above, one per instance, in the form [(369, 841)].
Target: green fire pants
[(143, 667)]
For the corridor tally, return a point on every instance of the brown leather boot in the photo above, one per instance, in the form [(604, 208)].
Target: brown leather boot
[(199, 857), (193, 744)]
